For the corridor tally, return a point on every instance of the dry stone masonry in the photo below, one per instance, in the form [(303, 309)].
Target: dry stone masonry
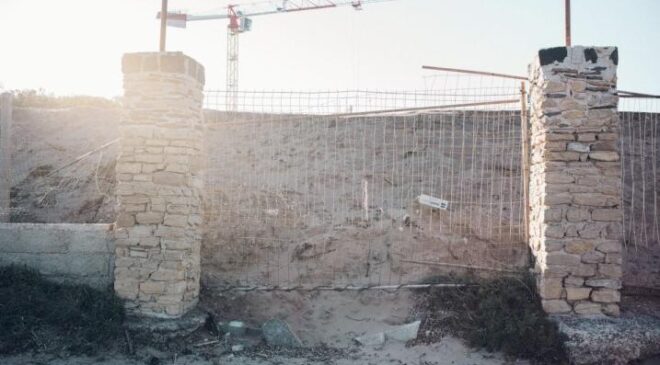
[(575, 179), (159, 184)]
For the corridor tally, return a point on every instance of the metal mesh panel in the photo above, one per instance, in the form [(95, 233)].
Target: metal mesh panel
[(304, 194), (640, 128)]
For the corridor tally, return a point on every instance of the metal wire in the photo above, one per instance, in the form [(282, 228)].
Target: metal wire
[(301, 196), (640, 128)]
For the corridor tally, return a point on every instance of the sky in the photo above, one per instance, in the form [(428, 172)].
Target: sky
[(74, 47)]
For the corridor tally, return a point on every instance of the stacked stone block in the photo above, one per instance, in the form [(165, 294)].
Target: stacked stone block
[(575, 180), (159, 184)]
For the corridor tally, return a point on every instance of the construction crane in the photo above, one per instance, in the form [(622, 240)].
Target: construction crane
[(240, 20)]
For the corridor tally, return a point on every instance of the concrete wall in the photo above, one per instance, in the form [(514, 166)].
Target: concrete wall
[(71, 253)]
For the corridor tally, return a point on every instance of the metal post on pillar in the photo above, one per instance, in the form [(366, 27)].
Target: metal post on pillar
[(567, 21), (163, 25), (5, 155)]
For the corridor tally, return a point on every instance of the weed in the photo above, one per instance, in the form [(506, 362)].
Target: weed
[(503, 314), (37, 314)]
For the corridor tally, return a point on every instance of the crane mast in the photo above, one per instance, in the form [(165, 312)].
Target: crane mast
[(233, 30), (240, 21)]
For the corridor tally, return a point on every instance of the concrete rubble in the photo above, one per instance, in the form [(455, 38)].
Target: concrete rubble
[(402, 333), (278, 333)]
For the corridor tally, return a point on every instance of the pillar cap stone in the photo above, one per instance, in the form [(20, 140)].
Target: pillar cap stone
[(582, 62), (163, 62)]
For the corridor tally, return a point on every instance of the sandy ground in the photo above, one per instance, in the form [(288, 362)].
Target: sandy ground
[(326, 323)]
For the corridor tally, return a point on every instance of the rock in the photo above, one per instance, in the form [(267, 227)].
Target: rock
[(604, 156), (161, 330), (404, 333), (236, 328), (578, 147), (577, 293), (604, 283), (551, 288), (587, 308), (579, 247), (610, 247), (561, 258), (610, 270), (593, 257), (555, 306), (574, 281), (237, 348), (278, 333), (373, 339), (606, 296), (612, 310)]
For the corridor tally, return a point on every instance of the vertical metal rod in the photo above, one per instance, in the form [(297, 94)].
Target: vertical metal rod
[(5, 155), (163, 25), (524, 136), (567, 12)]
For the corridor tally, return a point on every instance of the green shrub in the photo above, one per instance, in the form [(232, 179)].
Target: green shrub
[(36, 314), (502, 314)]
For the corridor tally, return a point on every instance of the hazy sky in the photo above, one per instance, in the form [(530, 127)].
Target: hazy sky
[(75, 46)]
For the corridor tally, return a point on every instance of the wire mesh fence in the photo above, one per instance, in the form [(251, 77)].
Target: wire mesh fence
[(346, 102), (640, 146), (305, 191)]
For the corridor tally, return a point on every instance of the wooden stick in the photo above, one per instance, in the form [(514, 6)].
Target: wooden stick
[(524, 135), (339, 288), (131, 350), (427, 108), (485, 73), (632, 94), (83, 156), (206, 343), (433, 263)]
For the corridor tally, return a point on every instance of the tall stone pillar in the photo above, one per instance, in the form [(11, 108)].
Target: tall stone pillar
[(575, 179), (159, 184)]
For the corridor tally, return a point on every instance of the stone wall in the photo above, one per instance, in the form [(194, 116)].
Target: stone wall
[(159, 184), (575, 179), (70, 253)]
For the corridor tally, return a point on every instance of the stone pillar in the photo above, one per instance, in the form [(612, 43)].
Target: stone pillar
[(575, 179), (159, 184)]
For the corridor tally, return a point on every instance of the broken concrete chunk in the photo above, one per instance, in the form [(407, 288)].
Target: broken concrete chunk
[(236, 328), (371, 339), (278, 333), (403, 333)]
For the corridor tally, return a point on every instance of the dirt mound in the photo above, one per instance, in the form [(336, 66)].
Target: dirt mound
[(48, 186)]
